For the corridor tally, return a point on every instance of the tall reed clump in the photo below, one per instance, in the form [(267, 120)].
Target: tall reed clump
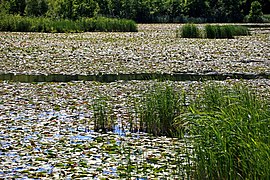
[(189, 31), (212, 31), (231, 134), (160, 106), (33, 24), (103, 120), (225, 31)]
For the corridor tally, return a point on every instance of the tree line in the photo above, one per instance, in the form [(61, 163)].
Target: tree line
[(142, 10)]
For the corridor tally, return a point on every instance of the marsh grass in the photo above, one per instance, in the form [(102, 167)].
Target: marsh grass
[(224, 31), (33, 24), (225, 130), (160, 107), (212, 31), (103, 119), (231, 126), (189, 31)]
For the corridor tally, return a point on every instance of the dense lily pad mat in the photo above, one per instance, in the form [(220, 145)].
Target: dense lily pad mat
[(154, 49), (46, 130)]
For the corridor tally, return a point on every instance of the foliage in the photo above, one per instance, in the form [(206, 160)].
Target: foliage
[(266, 18), (212, 31), (190, 31), (36, 8), (13, 6), (255, 13), (27, 24), (224, 31), (231, 130), (139, 10), (102, 115), (160, 107)]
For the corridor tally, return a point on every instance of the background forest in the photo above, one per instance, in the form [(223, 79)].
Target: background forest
[(143, 11)]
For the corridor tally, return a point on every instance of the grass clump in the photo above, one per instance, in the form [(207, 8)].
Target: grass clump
[(160, 107), (103, 121), (231, 134), (39, 24), (212, 31), (189, 31), (224, 31)]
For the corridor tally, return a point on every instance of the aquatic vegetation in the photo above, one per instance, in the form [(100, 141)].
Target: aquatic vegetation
[(212, 31), (39, 24), (52, 129), (189, 31), (225, 31), (160, 107), (230, 126), (154, 49), (103, 118), (38, 141)]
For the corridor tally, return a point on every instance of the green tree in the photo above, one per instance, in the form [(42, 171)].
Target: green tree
[(232, 11), (216, 11), (197, 8), (65, 9), (175, 9), (255, 13), (43, 7), (86, 8), (143, 10), (139, 10), (31, 8), (158, 10), (16, 6), (246, 6), (4, 7), (53, 9), (129, 9), (106, 7), (117, 8)]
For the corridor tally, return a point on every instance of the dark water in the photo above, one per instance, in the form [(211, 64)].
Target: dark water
[(127, 77)]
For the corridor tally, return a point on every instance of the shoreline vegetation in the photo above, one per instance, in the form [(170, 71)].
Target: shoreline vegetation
[(143, 11), (19, 23), (220, 130), (212, 31), (227, 125), (143, 128), (67, 16)]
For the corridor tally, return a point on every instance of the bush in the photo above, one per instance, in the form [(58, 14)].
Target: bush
[(255, 13), (190, 31), (231, 133), (27, 24)]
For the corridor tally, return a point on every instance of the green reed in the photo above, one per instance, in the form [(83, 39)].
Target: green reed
[(40, 24), (225, 31), (189, 31), (212, 31), (231, 130), (160, 107), (103, 120)]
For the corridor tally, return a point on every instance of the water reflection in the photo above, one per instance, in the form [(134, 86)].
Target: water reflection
[(177, 76)]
